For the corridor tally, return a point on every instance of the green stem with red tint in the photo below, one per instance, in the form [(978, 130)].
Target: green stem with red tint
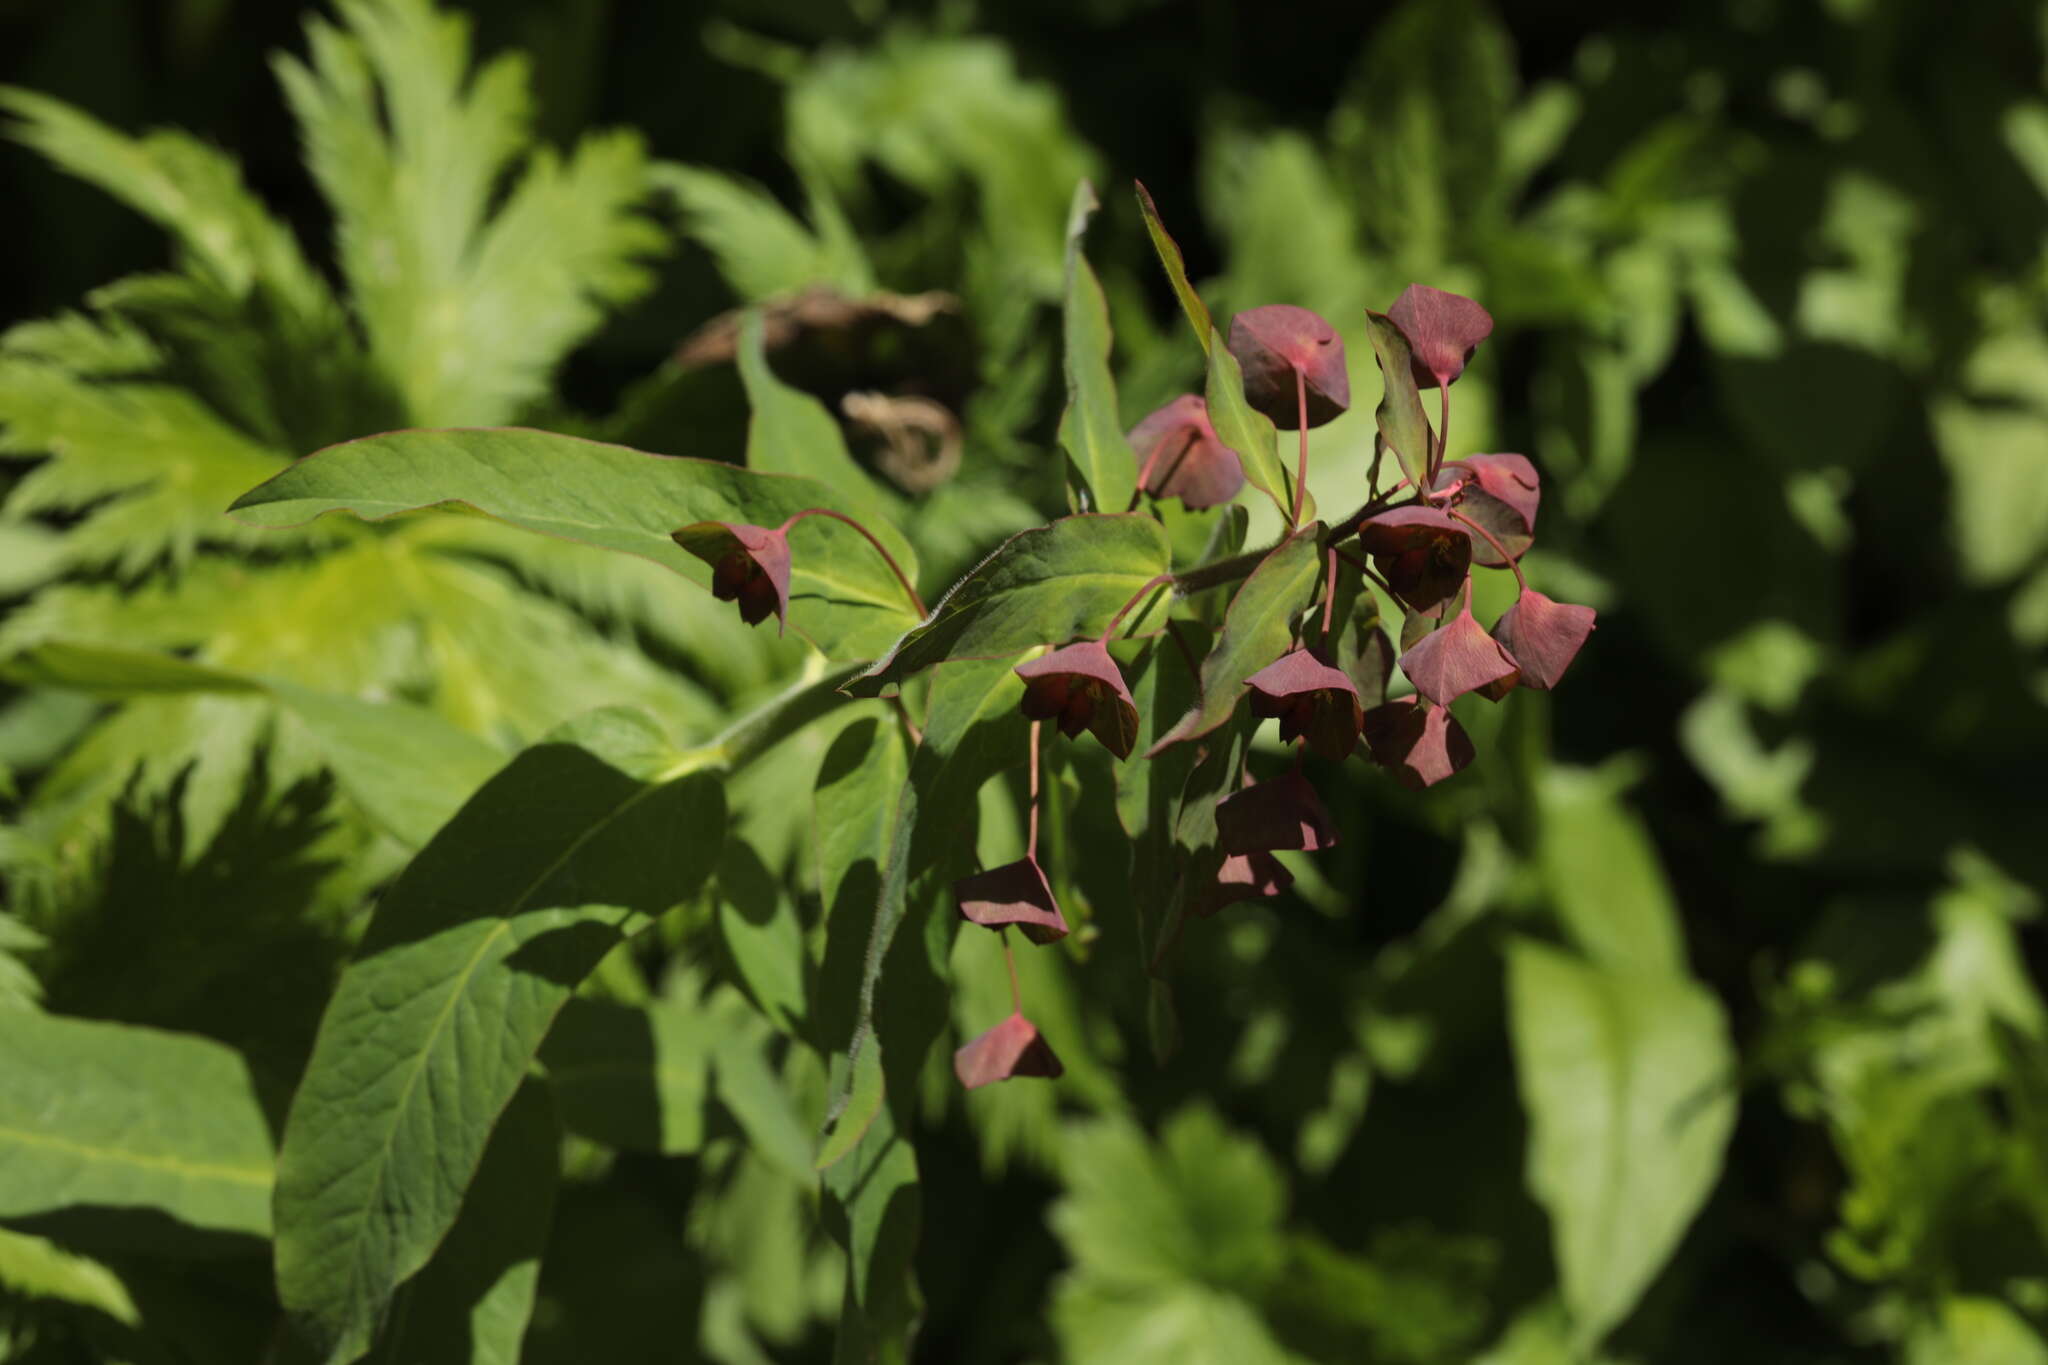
[(1301, 464), (1498, 548), (909, 590), (1157, 581)]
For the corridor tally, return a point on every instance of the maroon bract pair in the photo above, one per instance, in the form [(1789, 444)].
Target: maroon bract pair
[(749, 565)]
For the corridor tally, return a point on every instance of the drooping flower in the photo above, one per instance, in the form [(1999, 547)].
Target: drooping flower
[(1312, 700), (1180, 456), (1012, 1048), (1281, 812), (1443, 331), (1081, 687), (1423, 744), (1544, 636), (1015, 893), (1275, 341), (1501, 493), (1421, 550), (749, 565), (1243, 877), (1458, 657)]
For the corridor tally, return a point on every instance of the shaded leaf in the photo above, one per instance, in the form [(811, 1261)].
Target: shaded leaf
[(1090, 430)]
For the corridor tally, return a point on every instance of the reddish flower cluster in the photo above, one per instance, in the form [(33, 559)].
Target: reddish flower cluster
[(1421, 542)]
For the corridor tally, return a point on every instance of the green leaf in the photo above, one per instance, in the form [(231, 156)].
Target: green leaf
[(470, 290), (790, 432), (843, 598), (459, 977), (1998, 505), (1629, 1082), (1055, 583), (474, 1299), (763, 936), (751, 1090), (630, 1078), (107, 1116), (405, 766), (762, 249), (1249, 433), (1176, 270), (35, 1268), (1972, 1329), (876, 1208), (1257, 629), (1603, 876), (1402, 422), (1166, 1324), (1090, 430)]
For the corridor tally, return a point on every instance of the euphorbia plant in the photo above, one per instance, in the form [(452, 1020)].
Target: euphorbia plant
[(1088, 623)]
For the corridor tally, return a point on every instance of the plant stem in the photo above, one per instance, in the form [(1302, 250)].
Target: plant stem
[(1301, 464), (1329, 592), (1031, 840), (908, 589), (1158, 580), (1365, 569), (1498, 548), (1443, 433)]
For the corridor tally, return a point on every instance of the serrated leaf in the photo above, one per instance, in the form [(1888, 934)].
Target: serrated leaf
[(1250, 433), (98, 1115), (1629, 1082), (1402, 421), (469, 291), (463, 969), (762, 249), (631, 1078), (408, 768), (1257, 629), (843, 598), (1090, 429), (1049, 585), (472, 1302)]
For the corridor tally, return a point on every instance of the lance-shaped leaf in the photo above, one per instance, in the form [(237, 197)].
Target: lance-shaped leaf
[(105, 1116), (1629, 1082), (1256, 630), (1176, 270), (1045, 586), (474, 1299), (972, 730), (1249, 432), (461, 972), (1090, 429), (842, 596), (1403, 423)]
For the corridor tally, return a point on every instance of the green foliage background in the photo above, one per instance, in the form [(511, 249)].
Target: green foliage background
[(1701, 1018)]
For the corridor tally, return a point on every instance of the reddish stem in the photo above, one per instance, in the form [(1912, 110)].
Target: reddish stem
[(1329, 593), (1151, 461), (1137, 597), (1443, 433), (887, 558), (1498, 548), (1365, 569), (1301, 466)]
